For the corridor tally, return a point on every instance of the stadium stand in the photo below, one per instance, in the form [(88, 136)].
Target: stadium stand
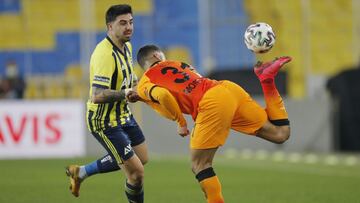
[(45, 36)]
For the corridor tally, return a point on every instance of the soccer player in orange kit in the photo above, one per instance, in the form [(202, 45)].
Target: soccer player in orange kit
[(172, 88)]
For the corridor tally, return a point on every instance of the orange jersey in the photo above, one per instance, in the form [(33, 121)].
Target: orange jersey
[(187, 86), (172, 88)]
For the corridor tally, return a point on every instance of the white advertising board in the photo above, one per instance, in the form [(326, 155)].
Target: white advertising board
[(42, 129)]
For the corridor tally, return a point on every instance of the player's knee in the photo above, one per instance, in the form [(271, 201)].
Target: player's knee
[(282, 136), (281, 140), (198, 166), (193, 168), (135, 174), (144, 160), (137, 177)]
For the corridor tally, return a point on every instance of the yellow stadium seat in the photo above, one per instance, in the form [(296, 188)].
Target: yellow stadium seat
[(54, 87), (73, 71), (76, 89), (179, 53), (34, 88), (75, 82)]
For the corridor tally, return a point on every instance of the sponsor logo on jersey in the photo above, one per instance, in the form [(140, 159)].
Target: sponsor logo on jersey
[(107, 158), (192, 85), (127, 149), (101, 79)]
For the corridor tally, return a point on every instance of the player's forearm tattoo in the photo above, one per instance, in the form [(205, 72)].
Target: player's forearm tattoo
[(106, 95)]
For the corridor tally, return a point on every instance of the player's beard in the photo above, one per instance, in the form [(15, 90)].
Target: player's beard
[(125, 39), (122, 38), (128, 37)]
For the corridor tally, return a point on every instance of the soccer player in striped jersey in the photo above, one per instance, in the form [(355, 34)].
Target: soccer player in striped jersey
[(108, 116), (172, 88)]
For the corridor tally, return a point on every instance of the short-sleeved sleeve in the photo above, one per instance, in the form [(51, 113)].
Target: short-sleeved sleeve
[(161, 100), (103, 68), (144, 88)]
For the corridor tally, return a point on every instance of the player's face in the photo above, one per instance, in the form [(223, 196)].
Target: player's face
[(122, 27)]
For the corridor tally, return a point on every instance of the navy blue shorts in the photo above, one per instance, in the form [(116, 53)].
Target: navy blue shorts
[(118, 141)]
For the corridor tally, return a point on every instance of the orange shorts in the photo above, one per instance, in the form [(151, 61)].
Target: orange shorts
[(224, 107)]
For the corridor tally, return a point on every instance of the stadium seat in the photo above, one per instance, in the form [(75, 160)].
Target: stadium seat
[(53, 87), (33, 88), (75, 82), (73, 71), (179, 53)]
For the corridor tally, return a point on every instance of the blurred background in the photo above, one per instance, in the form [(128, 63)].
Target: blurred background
[(45, 46)]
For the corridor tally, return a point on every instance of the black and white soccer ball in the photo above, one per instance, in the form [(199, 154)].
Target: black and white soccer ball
[(259, 37)]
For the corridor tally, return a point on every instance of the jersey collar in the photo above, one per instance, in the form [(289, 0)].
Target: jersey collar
[(156, 62), (116, 47)]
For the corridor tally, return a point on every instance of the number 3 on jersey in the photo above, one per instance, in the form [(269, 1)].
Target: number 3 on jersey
[(183, 76)]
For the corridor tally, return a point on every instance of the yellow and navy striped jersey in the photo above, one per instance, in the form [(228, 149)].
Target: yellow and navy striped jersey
[(110, 68)]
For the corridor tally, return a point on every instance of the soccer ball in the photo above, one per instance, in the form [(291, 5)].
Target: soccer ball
[(259, 37)]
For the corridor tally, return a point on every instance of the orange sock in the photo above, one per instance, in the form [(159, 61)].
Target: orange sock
[(210, 185), (275, 107)]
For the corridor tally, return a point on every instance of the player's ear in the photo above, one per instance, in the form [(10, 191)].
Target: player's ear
[(163, 58), (159, 55), (109, 26), (156, 55)]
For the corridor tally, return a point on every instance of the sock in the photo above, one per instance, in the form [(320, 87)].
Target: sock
[(82, 173), (210, 185), (135, 194), (107, 164), (104, 165), (275, 107)]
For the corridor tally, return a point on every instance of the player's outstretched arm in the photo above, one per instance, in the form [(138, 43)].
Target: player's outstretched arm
[(166, 100), (100, 95), (163, 103)]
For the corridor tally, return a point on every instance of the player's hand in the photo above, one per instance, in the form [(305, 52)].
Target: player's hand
[(183, 131), (131, 96)]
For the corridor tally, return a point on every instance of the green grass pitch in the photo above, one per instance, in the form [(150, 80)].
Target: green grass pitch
[(169, 180)]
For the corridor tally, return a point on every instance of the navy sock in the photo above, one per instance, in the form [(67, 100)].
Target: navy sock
[(103, 165), (107, 164), (135, 194)]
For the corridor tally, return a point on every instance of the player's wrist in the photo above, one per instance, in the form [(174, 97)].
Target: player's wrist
[(182, 123), (121, 95), (127, 90)]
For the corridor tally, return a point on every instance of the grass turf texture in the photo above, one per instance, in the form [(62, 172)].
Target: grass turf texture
[(169, 180)]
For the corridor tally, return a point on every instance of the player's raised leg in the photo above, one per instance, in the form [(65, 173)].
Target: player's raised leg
[(77, 173), (117, 143), (277, 130), (106, 164), (201, 160)]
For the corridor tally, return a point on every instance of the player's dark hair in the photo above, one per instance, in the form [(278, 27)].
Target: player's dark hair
[(144, 52), (116, 10)]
